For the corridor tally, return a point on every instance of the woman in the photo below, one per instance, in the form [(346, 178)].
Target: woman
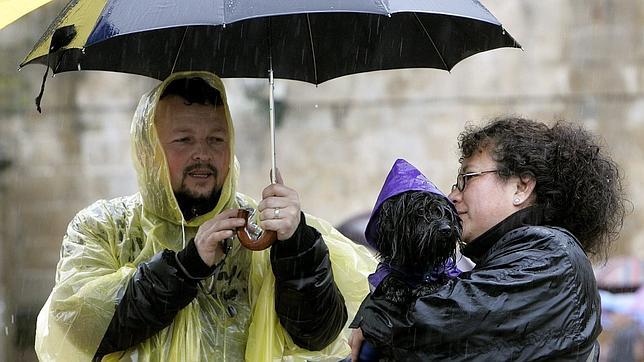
[(535, 201)]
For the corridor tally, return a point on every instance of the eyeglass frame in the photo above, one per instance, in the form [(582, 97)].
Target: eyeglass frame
[(465, 177)]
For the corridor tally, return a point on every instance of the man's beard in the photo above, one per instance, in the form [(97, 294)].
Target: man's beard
[(192, 204)]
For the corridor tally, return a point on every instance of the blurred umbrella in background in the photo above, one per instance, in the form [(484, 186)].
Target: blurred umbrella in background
[(620, 282), (307, 40), (620, 274), (12, 10), (354, 227)]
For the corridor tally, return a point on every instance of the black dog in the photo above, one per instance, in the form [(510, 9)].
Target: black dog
[(417, 231), (418, 235)]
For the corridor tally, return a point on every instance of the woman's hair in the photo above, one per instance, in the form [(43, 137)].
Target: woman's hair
[(578, 185)]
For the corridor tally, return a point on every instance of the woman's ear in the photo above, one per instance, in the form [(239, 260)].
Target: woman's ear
[(525, 186)]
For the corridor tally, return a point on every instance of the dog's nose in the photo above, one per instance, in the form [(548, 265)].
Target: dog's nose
[(444, 230)]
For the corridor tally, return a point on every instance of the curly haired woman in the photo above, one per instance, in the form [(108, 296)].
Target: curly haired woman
[(535, 201)]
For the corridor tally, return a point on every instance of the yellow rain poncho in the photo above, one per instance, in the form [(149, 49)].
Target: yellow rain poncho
[(105, 242)]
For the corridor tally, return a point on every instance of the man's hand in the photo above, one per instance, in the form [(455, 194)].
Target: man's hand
[(279, 209), (355, 342), (211, 234)]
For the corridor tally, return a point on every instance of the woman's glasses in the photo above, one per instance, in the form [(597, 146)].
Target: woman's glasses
[(463, 178)]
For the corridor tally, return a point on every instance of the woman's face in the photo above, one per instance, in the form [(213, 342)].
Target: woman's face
[(486, 199)]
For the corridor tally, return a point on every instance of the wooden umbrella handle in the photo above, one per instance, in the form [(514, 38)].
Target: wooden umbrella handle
[(264, 241)]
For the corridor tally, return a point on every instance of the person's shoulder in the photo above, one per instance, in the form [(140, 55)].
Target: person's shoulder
[(538, 239), (102, 209), (552, 233), (544, 233), (556, 241)]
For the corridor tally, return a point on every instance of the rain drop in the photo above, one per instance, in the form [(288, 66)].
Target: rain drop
[(6, 330), (316, 106)]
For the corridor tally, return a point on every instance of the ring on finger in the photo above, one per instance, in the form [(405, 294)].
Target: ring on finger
[(276, 213)]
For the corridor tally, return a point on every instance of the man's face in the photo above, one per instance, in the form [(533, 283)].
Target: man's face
[(196, 144)]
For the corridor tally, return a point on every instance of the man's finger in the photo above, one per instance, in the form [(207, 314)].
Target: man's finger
[(278, 176)]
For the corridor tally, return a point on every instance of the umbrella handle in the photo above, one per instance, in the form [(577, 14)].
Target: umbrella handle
[(265, 240)]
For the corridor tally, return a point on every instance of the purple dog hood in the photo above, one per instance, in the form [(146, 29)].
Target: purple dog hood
[(403, 177)]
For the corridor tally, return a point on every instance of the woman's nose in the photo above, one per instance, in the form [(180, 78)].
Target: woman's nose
[(454, 195)]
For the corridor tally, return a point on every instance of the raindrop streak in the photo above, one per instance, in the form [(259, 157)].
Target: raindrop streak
[(6, 330)]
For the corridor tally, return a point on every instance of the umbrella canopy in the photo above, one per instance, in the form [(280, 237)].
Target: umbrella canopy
[(12, 10), (311, 41)]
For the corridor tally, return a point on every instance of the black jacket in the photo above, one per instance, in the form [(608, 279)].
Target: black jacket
[(308, 303), (531, 296)]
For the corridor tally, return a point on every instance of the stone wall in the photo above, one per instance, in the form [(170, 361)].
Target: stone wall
[(582, 60)]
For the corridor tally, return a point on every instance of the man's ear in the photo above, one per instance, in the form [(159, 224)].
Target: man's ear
[(525, 187)]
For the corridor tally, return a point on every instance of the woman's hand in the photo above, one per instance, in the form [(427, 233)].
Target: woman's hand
[(355, 342)]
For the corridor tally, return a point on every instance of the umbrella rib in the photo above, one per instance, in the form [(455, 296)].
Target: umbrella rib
[(384, 6), (431, 40), (315, 66), (176, 58)]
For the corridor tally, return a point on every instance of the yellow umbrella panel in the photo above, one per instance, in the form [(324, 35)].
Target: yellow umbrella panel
[(12, 10)]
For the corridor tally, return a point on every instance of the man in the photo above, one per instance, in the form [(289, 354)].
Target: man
[(160, 276)]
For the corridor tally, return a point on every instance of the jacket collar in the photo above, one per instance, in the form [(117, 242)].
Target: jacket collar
[(478, 248)]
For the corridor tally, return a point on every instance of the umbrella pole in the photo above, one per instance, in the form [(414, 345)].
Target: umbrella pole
[(271, 105)]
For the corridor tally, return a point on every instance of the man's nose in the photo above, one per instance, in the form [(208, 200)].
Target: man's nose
[(201, 151)]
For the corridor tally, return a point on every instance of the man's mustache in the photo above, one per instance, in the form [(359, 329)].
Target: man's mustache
[(201, 166)]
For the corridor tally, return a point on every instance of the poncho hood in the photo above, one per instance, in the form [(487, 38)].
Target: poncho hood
[(150, 161)]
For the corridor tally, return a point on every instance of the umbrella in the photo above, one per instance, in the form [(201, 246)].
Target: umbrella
[(307, 40), (12, 10), (620, 274)]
